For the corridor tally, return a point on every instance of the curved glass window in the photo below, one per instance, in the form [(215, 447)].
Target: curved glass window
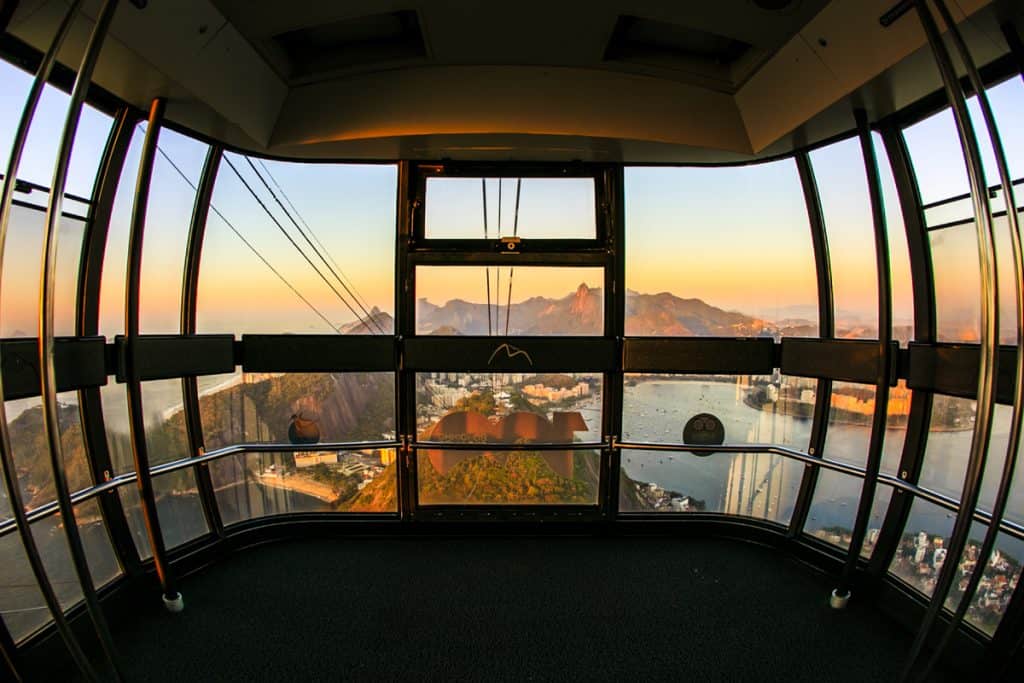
[(899, 252), (338, 276), (833, 511), (719, 252), (849, 225)]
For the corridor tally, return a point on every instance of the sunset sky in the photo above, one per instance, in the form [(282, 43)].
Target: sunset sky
[(735, 237)]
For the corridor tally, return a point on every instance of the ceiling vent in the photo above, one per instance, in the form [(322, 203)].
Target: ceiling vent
[(660, 43), (359, 41)]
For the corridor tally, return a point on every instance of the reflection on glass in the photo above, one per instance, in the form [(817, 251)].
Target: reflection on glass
[(494, 477), (21, 604), (833, 511), (753, 409), (296, 407), (679, 223), (262, 484), (114, 398), (923, 551), (531, 208), (32, 455), (482, 300), (164, 419), (253, 280), (744, 484), (849, 425), (849, 224), (177, 506)]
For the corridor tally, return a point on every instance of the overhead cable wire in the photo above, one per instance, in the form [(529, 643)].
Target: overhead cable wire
[(316, 251), (291, 239), (515, 232), (358, 295), (252, 248)]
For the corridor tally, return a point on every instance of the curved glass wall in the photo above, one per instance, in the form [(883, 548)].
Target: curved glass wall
[(538, 377)]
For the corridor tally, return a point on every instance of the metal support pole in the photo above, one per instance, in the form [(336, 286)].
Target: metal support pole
[(10, 473), (1013, 441), (90, 273), (989, 346), (136, 421), (47, 341), (405, 325), (826, 329), (615, 280), (189, 298), (881, 414)]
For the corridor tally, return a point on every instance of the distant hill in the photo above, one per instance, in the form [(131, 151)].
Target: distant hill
[(581, 313)]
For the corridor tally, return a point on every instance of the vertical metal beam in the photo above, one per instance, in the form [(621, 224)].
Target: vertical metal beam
[(881, 413), (988, 359), (47, 341), (136, 421), (405, 325), (923, 283), (10, 475), (90, 272), (1013, 440), (189, 299), (826, 329), (615, 278)]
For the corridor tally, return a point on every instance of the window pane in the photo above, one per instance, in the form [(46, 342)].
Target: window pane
[(833, 510), (21, 274), (44, 135), (115, 259), (114, 398), (168, 217), (31, 452), (680, 222), (949, 448), (849, 423), (899, 253), (849, 224), (178, 508), (898, 414), (279, 407), (166, 438), (508, 408), (531, 208), (957, 283), (21, 603), (261, 484), (488, 477), (745, 484), (474, 300), (999, 579), (753, 409), (253, 279)]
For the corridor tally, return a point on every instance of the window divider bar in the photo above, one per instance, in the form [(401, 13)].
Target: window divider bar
[(885, 351), (189, 301), (826, 329)]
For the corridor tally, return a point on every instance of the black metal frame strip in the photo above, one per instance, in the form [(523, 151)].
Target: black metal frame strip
[(10, 475), (923, 284), (405, 326), (90, 272), (1014, 437), (615, 310), (136, 419), (885, 351), (47, 341), (989, 335), (826, 329), (189, 301)]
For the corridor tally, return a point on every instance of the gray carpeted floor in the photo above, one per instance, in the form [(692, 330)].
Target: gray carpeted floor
[(509, 609)]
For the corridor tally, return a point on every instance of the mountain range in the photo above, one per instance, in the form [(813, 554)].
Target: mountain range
[(582, 313)]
